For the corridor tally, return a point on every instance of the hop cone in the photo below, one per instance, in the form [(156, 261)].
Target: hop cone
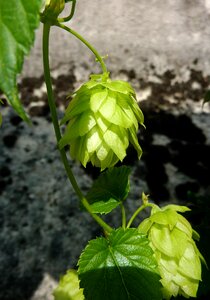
[(102, 119), (53, 8), (178, 258), (68, 288)]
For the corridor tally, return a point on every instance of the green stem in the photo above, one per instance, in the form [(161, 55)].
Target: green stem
[(138, 212), (51, 101), (77, 35), (65, 19), (95, 217), (123, 216)]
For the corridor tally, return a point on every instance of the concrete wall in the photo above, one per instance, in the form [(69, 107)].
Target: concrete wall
[(135, 34)]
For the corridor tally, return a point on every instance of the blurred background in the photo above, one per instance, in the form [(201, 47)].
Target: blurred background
[(163, 49)]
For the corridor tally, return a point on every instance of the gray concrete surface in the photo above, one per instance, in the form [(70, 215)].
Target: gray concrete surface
[(168, 34)]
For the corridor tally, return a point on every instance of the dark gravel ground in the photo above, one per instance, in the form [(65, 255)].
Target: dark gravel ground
[(42, 229)]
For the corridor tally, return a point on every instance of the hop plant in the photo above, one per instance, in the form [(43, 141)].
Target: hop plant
[(102, 118), (179, 260), (68, 288)]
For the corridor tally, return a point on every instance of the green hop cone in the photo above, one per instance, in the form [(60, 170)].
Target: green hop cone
[(52, 9), (102, 118), (178, 258), (68, 288)]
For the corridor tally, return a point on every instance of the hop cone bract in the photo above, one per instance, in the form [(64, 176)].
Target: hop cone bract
[(102, 118), (68, 287), (178, 258)]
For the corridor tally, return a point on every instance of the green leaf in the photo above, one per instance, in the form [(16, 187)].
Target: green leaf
[(18, 21), (119, 267), (111, 187)]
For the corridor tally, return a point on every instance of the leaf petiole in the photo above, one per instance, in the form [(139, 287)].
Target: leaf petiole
[(137, 212), (123, 215)]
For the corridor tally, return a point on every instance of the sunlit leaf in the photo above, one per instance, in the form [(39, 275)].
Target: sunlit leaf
[(119, 267), (18, 21)]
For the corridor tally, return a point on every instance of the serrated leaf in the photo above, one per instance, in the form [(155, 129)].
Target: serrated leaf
[(109, 190), (14, 100), (119, 267), (104, 207), (18, 21)]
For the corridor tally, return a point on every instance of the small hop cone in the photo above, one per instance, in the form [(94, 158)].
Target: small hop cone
[(179, 260), (102, 118), (53, 8), (68, 287)]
